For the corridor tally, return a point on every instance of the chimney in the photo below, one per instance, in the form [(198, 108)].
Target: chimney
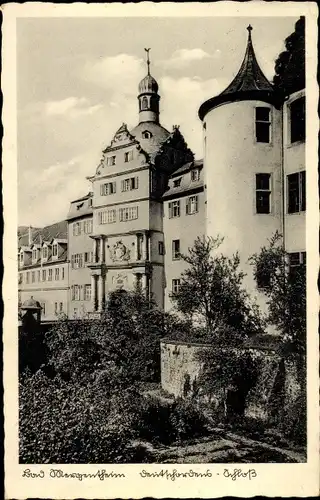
[(30, 236)]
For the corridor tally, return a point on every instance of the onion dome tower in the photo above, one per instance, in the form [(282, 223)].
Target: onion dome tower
[(148, 97), (242, 158)]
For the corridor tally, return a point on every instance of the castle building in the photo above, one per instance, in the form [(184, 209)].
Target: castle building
[(150, 199)]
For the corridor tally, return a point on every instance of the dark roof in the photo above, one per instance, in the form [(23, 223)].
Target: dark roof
[(86, 197), (187, 186), (159, 135), (188, 166), (48, 233), (249, 83)]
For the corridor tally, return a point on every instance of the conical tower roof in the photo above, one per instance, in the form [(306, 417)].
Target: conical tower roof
[(249, 84)]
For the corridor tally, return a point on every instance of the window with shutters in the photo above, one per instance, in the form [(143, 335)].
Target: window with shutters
[(111, 160), (263, 124), (87, 226), (176, 249), (76, 292), (77, 261), (107, 216), (128, 156), (128, 213), (129, 184), (263, 193), (192, 205), (296, 192), (108, 188), (174, 209)]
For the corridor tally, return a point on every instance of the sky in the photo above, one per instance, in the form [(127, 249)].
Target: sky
[(77, 82)]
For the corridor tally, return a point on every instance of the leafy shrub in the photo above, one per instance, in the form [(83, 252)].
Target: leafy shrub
[(72, 423), (167, 422)]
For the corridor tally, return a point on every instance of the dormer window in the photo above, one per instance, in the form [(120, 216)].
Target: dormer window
[(79, 206), (21, 257), (111, 160), (177, 182), (55, 250), (195, 175), (90, 202), (146, 134), (34, 255), (45, 252)]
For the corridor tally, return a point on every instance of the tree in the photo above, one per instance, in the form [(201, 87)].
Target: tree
[(211, 289), (290, 65), (285, 289)]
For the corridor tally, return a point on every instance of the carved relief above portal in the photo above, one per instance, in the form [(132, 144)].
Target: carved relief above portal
[(119, 281), (119, 252)]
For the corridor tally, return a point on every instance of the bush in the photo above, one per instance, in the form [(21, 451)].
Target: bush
[(72, 423), (166, 423)]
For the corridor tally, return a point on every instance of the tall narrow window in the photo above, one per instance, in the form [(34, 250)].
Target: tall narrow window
[(263, 193), (87, 292), (56, 273), (296, 192), (61, 307), (192, 205), (55, 250), (50, 275), (161, 247), (128, 156), (33, 276), (175, 249), (298, 120), (108, 188), (263, 124)]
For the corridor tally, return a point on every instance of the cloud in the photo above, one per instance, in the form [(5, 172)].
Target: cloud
[(184, 57), (119, 74), (181, 100), (71, 107)]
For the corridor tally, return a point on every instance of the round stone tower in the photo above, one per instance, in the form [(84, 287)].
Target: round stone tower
[(242, 159)]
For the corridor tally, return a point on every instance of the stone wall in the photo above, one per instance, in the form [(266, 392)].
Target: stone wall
[(178, 363), (277, 394)]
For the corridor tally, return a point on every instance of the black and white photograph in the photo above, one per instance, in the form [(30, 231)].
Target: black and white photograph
[(161, 240)]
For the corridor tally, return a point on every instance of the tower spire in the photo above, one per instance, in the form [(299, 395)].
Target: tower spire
[(148, 60)]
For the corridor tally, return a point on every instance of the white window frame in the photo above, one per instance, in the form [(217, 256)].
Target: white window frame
[(107, 216), (174, 209), (267, 122), (128, 213), (176, 282), (128, 156), (176, 254), (56, 274), (195, 175), (76, 229), (87, 292), (268, 191), (192, 205), (55, 250)]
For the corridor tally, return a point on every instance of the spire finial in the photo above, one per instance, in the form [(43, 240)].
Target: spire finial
[(249, 28), (148, 60)]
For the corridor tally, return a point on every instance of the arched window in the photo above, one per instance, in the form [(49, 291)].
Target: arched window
[(144, 103), (146, 134)]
